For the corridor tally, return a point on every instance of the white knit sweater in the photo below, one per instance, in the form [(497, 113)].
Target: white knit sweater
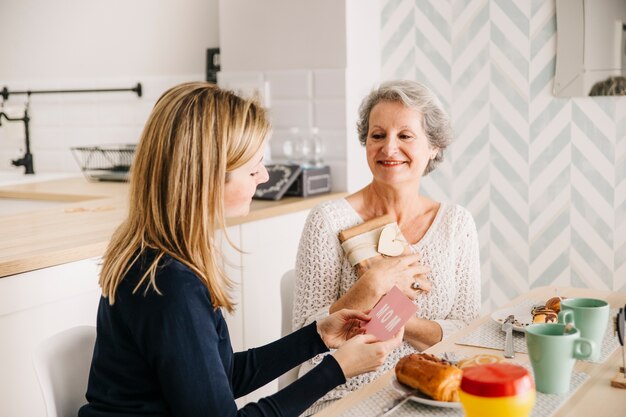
[(449, 248)]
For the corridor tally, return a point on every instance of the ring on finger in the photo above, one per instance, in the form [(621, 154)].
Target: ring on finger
[(416, 285)]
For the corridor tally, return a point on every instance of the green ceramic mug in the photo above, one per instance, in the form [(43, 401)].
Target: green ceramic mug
[(553, 355), (590, 316)]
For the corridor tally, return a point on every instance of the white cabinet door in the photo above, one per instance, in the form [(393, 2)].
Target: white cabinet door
[(270, 248), (34, 306), (232, 266)]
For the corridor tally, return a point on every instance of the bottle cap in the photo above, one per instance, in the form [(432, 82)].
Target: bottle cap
[(496, 380)]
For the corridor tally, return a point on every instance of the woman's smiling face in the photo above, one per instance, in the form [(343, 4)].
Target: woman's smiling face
[(397, 147)]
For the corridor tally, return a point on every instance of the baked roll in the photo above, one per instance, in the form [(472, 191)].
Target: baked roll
[(430, 375), (554, 304)]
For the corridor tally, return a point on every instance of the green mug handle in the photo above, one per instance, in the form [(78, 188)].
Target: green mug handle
[(583, 348), (566, 317)]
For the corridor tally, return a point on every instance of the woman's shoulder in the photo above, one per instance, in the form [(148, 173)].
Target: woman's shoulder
[(337, 214), (172, 277), (456, 210), (459, 219), (178, 293), (457, 215), (330, 206)]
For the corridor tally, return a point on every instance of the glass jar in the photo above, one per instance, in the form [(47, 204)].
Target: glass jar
[(292, 146), (314, 148), (303, 149), (497, 389)]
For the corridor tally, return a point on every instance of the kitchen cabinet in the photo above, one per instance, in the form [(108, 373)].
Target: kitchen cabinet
[(270, 248), (33, 306)]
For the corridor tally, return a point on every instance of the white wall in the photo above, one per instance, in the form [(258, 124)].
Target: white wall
[(363, 73), (282, 34), (544, 177), (70, 44), (314, 62), (67, 39)]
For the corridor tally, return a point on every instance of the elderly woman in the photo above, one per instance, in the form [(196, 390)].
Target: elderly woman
[(405, 132)]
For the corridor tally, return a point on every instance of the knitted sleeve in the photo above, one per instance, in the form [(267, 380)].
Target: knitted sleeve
[(466, 305), (318, 267)]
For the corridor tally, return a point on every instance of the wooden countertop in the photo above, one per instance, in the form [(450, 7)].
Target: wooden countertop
[(82, 225)]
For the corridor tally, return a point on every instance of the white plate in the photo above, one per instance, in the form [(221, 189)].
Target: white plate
[(523, 316), (418, 397)]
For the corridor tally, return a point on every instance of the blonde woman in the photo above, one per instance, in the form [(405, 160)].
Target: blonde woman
[(163, 347)]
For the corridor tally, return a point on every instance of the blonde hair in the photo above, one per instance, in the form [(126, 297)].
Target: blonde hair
[(194, 136)]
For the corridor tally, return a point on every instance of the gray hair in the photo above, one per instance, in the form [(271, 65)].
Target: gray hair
[(435, 120)]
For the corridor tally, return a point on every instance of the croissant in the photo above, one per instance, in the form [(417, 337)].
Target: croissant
[(544, 315), (430, 375)]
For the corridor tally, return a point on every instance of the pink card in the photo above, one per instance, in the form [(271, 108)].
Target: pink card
[(391, 312)]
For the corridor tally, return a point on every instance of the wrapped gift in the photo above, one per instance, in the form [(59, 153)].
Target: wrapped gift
[(375, 237)]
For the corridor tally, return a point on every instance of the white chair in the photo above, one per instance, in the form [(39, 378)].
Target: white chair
[(62, 365), (287, 286)]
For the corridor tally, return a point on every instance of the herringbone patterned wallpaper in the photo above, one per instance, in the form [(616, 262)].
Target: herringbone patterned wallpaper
[(544, 177)]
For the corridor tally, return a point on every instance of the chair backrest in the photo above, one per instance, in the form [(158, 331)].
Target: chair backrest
[(62, 365), (287, 286)]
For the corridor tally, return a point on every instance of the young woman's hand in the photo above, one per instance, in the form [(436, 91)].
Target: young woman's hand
[(340, 326), (364, 353)]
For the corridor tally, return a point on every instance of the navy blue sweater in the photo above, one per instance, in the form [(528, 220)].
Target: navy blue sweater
[(170, 355)]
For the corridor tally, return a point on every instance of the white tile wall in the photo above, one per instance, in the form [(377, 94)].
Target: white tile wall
[(279, 136), (334, 143), (329, 83), (330, 113), (303, 99), (290, 84), (339, 175), (291, 113), (297, 98), (248, 84), (61, 121)]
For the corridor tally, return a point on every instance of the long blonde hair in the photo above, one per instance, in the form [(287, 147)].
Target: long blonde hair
[(195, 135)]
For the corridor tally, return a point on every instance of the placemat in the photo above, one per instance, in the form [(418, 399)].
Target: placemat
[(545, 406), (490, 335)]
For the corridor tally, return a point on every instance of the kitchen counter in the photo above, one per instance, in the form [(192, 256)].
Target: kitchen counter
[(80, 226)]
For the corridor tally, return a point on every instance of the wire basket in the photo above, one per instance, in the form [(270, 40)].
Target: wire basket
[(105, 163)]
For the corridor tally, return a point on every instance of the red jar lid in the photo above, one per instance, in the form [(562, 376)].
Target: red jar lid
[(496, 380)]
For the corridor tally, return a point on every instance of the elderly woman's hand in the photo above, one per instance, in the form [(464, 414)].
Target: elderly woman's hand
[(404, 271)]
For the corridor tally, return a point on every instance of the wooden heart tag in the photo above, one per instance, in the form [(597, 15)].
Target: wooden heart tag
[(388, 244)]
